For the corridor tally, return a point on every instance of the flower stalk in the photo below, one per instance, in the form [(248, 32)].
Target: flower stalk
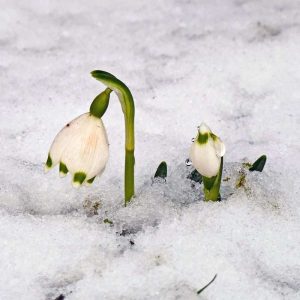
[(212, 185), (127, 105)]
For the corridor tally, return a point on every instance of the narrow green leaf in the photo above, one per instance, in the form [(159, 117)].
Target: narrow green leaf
[(162, 170), (259, 164), (202, 289)]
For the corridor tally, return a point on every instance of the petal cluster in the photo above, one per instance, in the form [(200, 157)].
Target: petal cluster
[(206, 152), (80, 148)]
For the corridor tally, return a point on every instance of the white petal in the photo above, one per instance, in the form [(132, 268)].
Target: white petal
[(64, 138), (87, 151), (62, 174), (204, 159), (203, 128), (46, 168), (219, 147), (76, 184)]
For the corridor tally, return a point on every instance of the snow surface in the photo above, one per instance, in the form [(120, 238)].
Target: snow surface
[(234, 65)]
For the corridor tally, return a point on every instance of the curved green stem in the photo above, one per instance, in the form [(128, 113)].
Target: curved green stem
[(127, 105)]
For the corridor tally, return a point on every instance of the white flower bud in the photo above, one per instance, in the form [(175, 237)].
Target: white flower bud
[(81, 148), (206, 152)]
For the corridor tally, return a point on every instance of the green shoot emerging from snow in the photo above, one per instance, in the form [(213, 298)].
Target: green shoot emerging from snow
[(259, 164), (162, 170)]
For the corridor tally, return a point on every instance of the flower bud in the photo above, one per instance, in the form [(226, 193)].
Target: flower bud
[(80, 148), (206, 152)]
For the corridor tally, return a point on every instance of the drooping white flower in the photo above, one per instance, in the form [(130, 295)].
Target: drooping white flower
[(80, 148), (206, 152)]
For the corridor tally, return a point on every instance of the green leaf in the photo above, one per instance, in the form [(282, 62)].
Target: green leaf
[(202, 289), (195, 176), (162, 170), (259, 164)]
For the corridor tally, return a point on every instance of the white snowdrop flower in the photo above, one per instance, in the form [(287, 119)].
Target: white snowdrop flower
[(80, 148), (206, 152)]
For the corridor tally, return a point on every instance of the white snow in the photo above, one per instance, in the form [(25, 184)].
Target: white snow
[(232, 64)]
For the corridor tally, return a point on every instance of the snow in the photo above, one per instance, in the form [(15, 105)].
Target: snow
[(231, 64)]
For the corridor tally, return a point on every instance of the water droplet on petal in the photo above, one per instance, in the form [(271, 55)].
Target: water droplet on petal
[(193, 140), (188, 162)]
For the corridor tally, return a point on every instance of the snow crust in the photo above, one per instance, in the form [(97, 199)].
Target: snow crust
[(232, 64)]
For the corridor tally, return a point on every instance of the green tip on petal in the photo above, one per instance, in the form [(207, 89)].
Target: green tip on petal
[(90, 181), (214, 137), (63, 170), (48, 164), (202, 138), (78, 179)]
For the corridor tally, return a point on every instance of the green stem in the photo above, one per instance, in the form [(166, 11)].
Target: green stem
[(127, 105), (212, 185), (129, 175)]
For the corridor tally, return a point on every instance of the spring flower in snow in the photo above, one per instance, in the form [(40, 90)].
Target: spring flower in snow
[(206, 155), (81, 148), (206, 152)]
